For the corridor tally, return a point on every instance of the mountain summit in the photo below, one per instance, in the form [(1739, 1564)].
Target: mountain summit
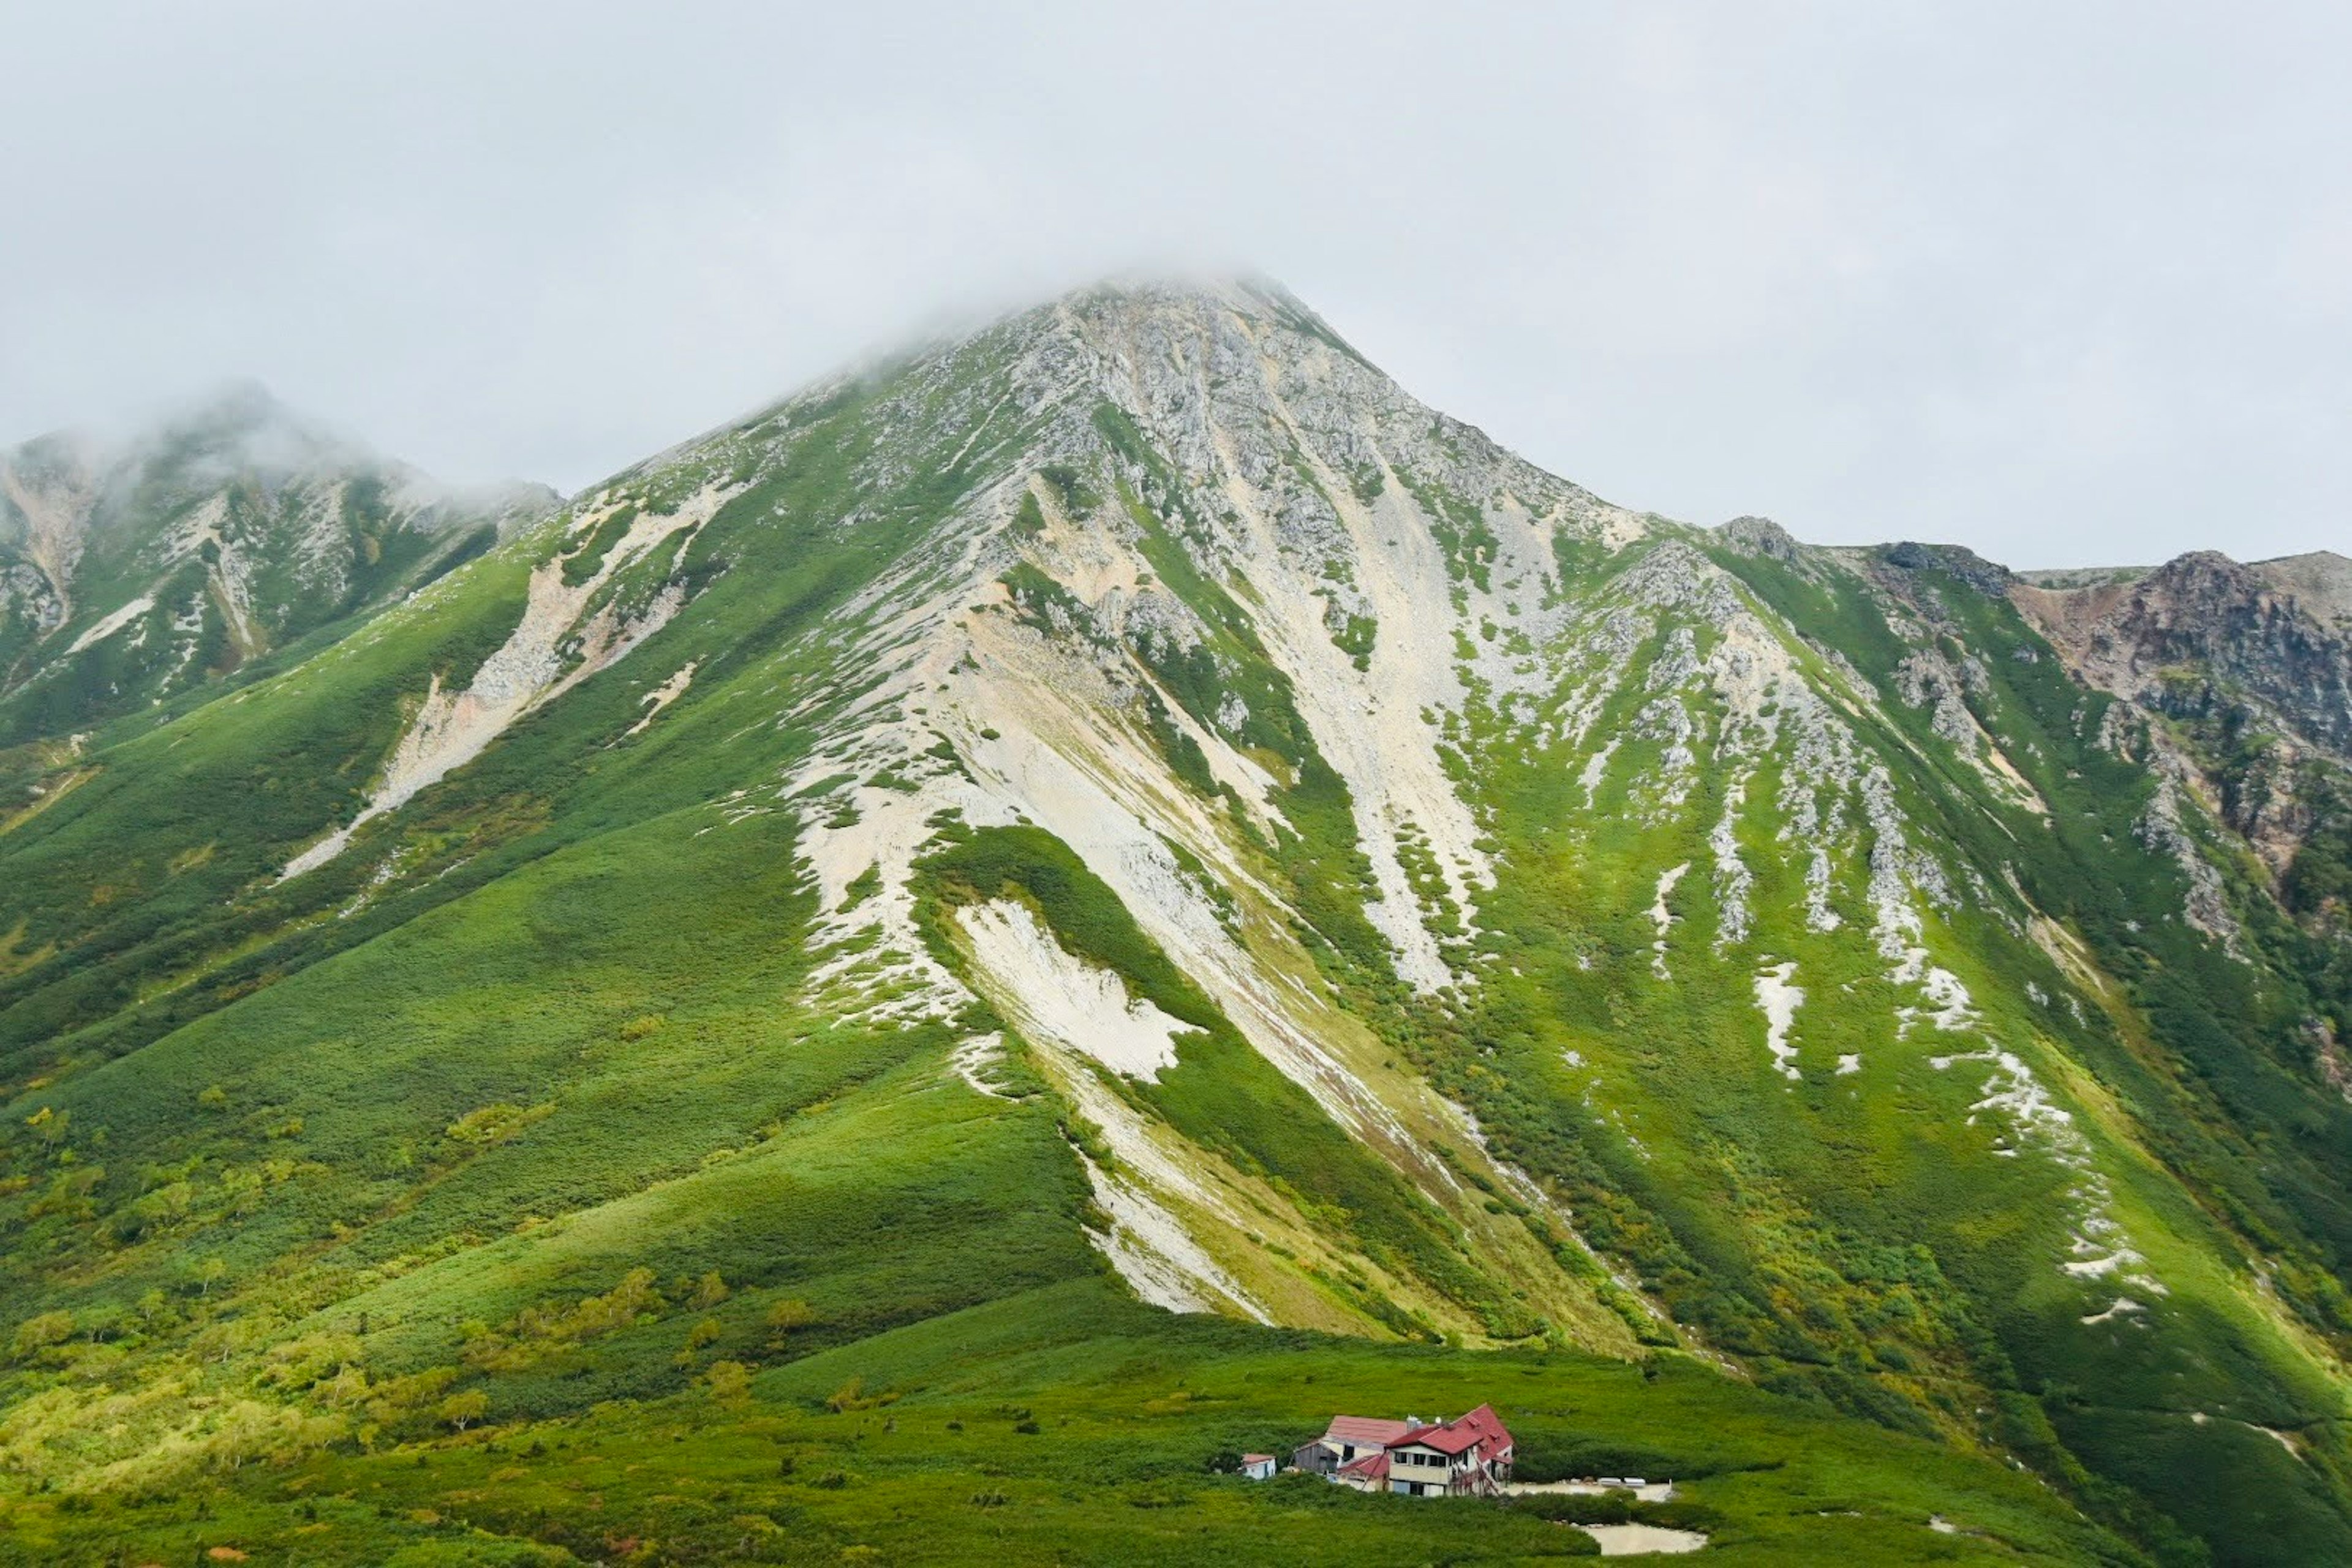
[(1075, 856)]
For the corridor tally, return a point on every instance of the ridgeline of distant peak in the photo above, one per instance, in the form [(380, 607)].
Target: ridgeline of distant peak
[(135, 570), (981, 928)]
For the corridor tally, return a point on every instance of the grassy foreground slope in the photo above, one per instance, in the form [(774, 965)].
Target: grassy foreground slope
[(714, 1031), (1070, 1425)]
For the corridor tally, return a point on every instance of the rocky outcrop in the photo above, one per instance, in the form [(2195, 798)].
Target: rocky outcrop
[(1988, 577), (1760, 536), (2253, 663), (2202, 634)]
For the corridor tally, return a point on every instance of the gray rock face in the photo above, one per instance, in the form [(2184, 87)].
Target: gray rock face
[(1927, 680), (1760, 536), (2254, 662), (2202, 632), (1989, 577)]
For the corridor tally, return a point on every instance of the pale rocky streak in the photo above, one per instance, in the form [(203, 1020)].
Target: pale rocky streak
[(1059, 998), (1249, 408), (1368, 723), (530, 668), (200, 536), (1075, 1017), (1733, 880), (973, 1059), (1099, 788), (662, 696), (100, 630), (2100, 1246), (1778, 1000), (1158, 1257), (1596, 768), (1926, 679)]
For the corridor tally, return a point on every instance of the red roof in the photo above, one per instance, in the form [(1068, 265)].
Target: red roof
[(1489, 1423), (1481, 1427), (1364, 1431), (1257, 1458), (1373, 1466)]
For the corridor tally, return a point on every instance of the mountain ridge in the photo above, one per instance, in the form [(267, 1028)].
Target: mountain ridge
[(137, 568)]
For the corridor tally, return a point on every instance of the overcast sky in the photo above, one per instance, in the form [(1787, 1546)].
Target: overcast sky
[(2066, 281)]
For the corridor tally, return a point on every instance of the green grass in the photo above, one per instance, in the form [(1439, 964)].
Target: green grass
[(1068, 1424)]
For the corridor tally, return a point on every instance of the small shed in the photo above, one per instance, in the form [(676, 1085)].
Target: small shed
[(1258, 1466)]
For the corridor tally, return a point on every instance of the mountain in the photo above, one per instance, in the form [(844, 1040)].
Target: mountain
[(898, 979), (133, 571), (2250, 667)]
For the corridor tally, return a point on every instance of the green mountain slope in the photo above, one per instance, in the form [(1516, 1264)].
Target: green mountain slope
[(905, 975)]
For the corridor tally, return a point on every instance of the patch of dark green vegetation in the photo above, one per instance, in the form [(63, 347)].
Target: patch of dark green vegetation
[(1042, 603), (1355, 636), (580, 562), (1028, 517), (1070, 488)]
